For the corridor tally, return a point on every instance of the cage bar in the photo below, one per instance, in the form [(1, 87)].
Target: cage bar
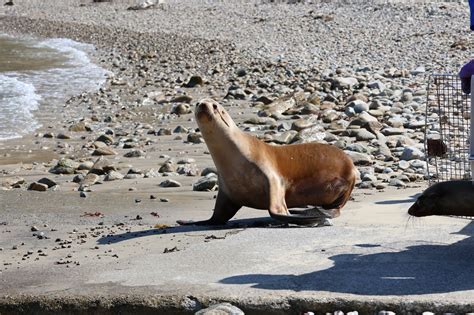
[(447, 130)]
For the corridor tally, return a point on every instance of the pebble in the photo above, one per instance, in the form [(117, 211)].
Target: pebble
[(38, 187), (170, 183), (206, 183), (104, 151)]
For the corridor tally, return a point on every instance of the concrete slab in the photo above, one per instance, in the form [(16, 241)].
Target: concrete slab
[(374, 256)]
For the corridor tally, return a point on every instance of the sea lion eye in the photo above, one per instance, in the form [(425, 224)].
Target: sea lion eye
[(214, 106)]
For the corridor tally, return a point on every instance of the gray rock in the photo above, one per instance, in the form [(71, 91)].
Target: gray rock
[(345, 82), (364, 135), (397, 182), (207, 183), (104, 151), (105, 139), (359, 106), (376, 85), (48, 182), (412, 153), (151, 173), (221, 309), (102, 166), (392, 131), (79, 127), (170, 183), (181, 109), (90, 179), (209, 170), (195, 137), (163, 132), (180, 129), (87, 165), (65, 166), (359, 158), (188, 170), (113, 175), (194, 81), (285, 137), (260, 121), (301, 124), (167, 167), (134, 154)]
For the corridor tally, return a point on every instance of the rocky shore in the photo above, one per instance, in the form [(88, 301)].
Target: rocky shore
[(354, 75)]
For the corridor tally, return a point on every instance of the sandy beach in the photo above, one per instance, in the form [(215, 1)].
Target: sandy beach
[(127, 157)]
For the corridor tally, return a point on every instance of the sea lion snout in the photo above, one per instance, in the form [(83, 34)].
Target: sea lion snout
[(205, 108), (212, 111)]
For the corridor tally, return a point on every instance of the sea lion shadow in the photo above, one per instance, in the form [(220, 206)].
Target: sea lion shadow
[(417, 270), (410, 199), (263, 222)]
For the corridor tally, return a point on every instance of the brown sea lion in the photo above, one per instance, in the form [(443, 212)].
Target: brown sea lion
[(255, 174), (445, 198)]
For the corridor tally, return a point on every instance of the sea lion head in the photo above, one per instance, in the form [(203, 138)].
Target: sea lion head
[(211, 116), (427, 204)]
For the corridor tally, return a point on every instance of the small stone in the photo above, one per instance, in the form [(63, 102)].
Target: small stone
[(345, 82), (167, 167), (38, 187), (34, 229), (359, 158), (170, 183), (63, 136), (194, 81), (134, 154), (182, 99), (195, 137), (79, 127), (222, 308), (206, 183), (153, 197), (65, 166), (396, 182), (90, 179), (209, 170), (113, 175), (412, 153), (83, 194), (47, 182), (181, 109), (359, 106), (104, 151), (105, 139), (164, 200)]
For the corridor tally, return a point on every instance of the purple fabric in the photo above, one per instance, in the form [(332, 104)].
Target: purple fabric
[(465, 74)]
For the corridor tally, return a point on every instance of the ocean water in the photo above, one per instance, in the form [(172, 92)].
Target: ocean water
[(37, 77)]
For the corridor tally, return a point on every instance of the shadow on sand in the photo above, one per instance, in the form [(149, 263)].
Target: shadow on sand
[(264, 222), (411, 199), (420, 269)]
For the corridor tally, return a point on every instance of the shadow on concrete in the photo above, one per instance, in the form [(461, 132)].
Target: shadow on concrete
[(420, 269), (264, 222), (411, 199)]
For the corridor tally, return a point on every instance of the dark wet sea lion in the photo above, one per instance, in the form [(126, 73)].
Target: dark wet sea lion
[(445, 198), (255, 174)]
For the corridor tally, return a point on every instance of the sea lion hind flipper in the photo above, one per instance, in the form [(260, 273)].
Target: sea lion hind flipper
[(312, 216)]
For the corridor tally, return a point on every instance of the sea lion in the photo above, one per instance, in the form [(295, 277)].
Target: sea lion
[(445, 198), (255, 174)]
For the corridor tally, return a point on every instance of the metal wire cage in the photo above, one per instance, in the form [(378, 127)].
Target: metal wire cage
[(447, 129)]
